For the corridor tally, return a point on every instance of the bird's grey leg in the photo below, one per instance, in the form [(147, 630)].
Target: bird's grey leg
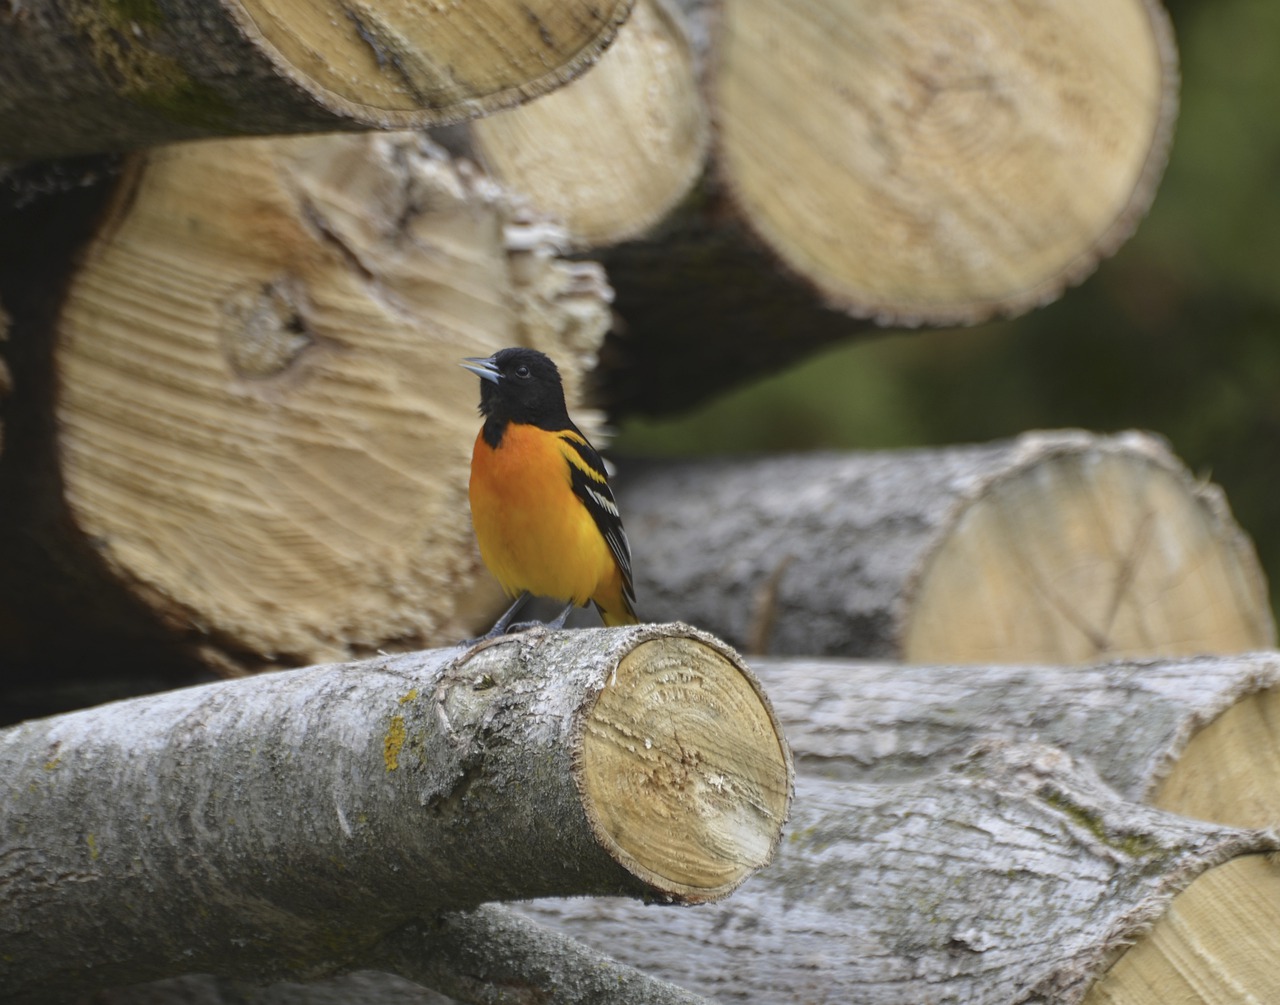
[(500, 626), (551, 626)]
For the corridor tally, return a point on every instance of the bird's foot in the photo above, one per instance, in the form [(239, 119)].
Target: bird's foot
[(503, 629)]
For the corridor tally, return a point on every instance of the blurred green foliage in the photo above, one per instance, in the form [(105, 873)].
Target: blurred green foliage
[(1178, 333)]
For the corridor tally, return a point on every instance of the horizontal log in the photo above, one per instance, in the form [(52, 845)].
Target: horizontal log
[(888, 726), (944, 166), (1055, 547), (486, 956), (1193, 736), (89, 77), (312, 813), (1157, 731), (361, 987)]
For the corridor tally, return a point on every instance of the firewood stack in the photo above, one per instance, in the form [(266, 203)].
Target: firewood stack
[(233, 439)]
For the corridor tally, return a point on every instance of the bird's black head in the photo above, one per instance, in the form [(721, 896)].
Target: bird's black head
[(519, 385)]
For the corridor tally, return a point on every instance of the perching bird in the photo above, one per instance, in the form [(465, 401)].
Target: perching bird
[(544, 515)]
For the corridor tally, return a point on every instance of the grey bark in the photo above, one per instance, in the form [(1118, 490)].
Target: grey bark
[(913, 872), (494, 955), (1011, 875), (486, 955), (869, 722), (838, 535), (819, 554), (361, 987), (280, 826), (61, 92)]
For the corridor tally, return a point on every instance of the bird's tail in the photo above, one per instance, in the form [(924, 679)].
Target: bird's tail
[(616, 610)]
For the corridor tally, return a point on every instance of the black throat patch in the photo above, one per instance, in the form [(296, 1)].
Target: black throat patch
[(493, 430)]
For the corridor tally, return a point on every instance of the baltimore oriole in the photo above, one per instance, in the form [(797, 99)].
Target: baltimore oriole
[(544, 515)]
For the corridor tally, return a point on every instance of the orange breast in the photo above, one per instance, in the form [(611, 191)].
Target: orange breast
[(534, 533)]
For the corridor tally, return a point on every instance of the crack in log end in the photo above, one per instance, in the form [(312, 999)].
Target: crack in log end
[(682, 773), (379, 55), (1127, 570), (404, 207), (1055, 601), (430, 87), (544, 33), (330, 235)]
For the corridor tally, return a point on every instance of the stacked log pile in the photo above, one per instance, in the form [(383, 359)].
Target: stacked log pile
[(243, 438), (233, 439), (316, 815), (905, 164)]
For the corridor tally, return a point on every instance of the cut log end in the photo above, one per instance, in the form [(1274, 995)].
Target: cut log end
[(1230, 770), (262, 432), (613, 152), (405, 64), (97, 77), (1080, 555), (1218, 942), (683, 773), (967, 162)]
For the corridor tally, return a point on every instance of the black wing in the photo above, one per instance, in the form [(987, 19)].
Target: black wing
[(591, 485)]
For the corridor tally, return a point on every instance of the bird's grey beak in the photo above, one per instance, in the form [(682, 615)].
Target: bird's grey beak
[(485, 369)]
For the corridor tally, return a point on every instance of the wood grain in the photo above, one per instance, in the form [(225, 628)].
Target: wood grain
[(681, 733), (614, 151), (262, 429), (1216, 945), (939, 164)]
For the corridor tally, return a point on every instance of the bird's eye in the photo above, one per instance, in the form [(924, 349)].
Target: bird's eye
[(522, 372)]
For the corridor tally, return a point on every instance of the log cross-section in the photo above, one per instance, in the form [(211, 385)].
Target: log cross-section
[(246, 436), (614, 151), (941, 163)]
